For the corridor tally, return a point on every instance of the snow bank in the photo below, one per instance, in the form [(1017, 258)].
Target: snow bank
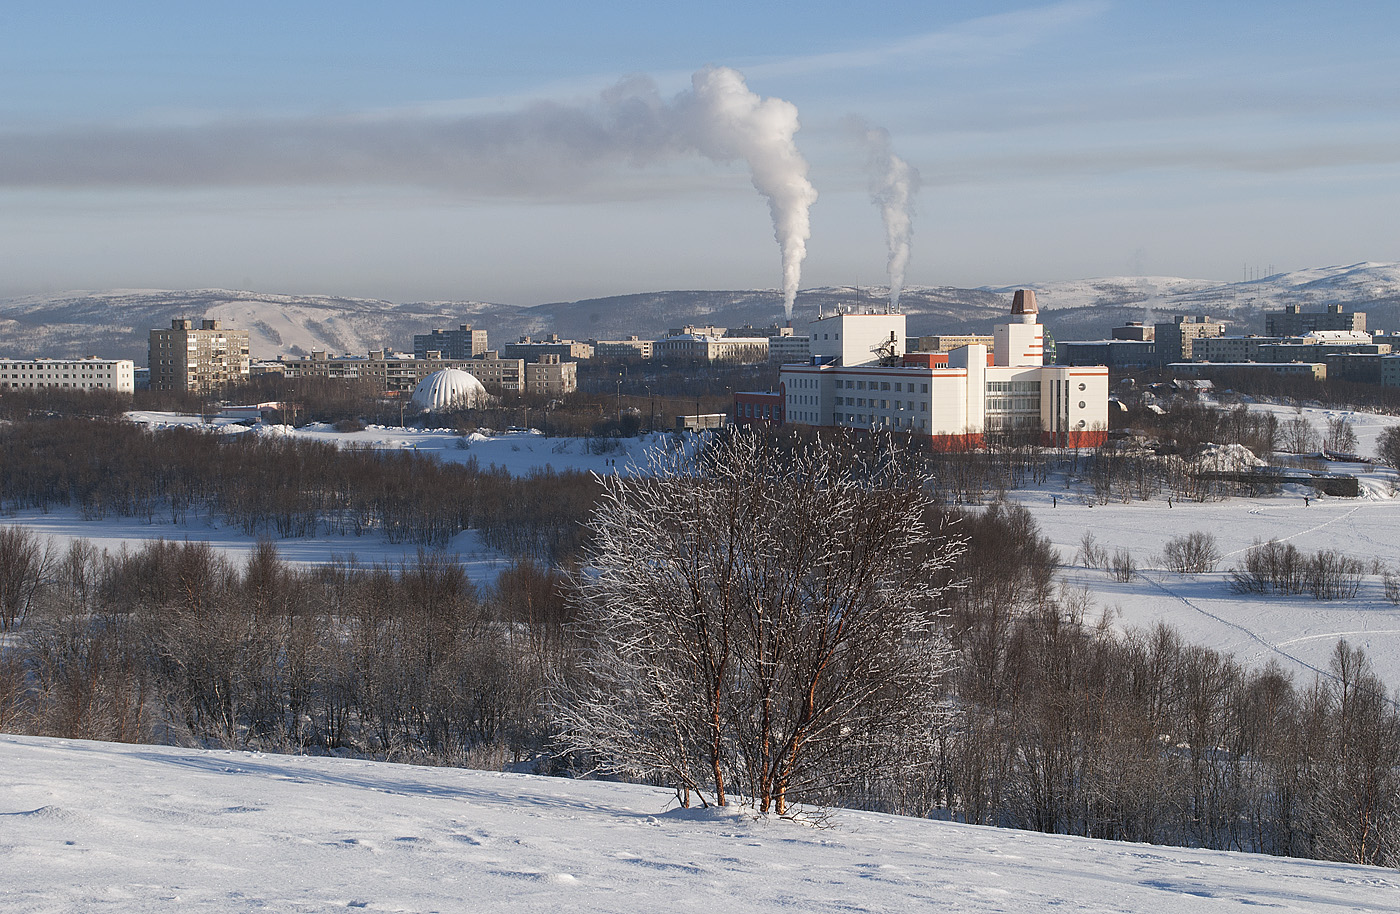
[(92, 826)]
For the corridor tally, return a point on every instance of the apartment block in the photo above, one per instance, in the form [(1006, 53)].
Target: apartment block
[(203, 359)]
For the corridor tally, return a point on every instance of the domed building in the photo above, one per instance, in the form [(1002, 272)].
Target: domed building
[(450, 388)]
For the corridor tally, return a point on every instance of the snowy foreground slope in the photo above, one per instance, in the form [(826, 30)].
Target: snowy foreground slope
[(92, 826)]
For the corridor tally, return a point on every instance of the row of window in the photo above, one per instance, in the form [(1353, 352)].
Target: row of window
[(881, 404), (1013, 405)]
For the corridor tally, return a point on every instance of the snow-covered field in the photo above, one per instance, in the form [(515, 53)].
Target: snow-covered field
[(104, 827), (1298, 631), (517, 453)]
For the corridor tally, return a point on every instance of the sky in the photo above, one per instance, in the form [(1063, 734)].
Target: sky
[(539, 151)]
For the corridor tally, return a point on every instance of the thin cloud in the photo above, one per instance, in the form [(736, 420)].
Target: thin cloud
[(981, 39), (1271, 161)]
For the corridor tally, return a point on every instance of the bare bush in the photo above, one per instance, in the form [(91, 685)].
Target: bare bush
[(1334, 576), (1392, 586), (1091, 554), (1194, 553), (1122, 567), (1280, 568)]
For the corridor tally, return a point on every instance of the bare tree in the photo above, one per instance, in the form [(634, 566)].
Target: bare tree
[(26, 566), (1341, 436), (1388, 446), (761, 621), (1298, 436)]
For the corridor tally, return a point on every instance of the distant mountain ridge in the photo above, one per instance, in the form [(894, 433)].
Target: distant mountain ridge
[(116, 323)]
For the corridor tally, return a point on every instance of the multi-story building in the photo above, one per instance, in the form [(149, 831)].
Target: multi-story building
[(199, 360), (74, 374), (531, 349), (496, 373), (1315, 346), (400, 373), (947, 342), (1315, 370), (630, 348), (551, 376), (861, 378), (1135, 331), (789, 349), (706, 347), (1176, 340), (1115, 353), (1294, 321), (462, 343)]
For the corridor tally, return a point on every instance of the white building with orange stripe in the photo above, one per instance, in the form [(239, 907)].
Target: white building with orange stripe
[(860, 377)]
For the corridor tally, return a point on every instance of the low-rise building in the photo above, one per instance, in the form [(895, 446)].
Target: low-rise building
[(92, 373)]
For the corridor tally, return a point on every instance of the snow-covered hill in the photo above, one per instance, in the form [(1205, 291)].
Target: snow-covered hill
[(116, 324), (94, 826)]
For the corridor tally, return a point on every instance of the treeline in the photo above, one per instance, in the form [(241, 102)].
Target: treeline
[(1058, 723), (274, 486), (174, 643), (1067, 726)]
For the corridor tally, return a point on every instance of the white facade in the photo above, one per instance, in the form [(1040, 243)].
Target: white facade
[(958, 401), (856, 339), (74, 374), (450, 388)]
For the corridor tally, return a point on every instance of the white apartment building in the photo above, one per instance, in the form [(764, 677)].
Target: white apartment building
[(75, 374)]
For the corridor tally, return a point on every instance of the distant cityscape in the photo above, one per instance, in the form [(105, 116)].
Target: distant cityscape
[(952, 388)]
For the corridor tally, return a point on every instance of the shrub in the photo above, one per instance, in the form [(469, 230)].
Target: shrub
[(1193, 553)]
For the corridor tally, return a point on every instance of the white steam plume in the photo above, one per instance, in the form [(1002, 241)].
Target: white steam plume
[(893, 183), (546, 150), (735, 122)]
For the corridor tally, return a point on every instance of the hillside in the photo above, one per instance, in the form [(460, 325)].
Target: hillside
[(91, 826), (115, 324)]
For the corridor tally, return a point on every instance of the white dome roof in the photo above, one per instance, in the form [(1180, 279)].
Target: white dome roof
[(450, 388)]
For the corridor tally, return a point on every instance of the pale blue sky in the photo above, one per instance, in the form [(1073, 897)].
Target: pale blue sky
[(402, 151)]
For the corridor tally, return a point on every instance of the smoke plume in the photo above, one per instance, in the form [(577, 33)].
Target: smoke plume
[(893, 183), (734, 122), (546, 150)]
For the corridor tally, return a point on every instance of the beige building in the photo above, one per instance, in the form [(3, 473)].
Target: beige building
[(188, 359), (551, 376), (401, 373), (707, 348), (531, 350), (1176, 341), (75, 374)]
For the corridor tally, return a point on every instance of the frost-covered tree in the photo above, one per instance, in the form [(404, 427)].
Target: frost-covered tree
[(761, 621)]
